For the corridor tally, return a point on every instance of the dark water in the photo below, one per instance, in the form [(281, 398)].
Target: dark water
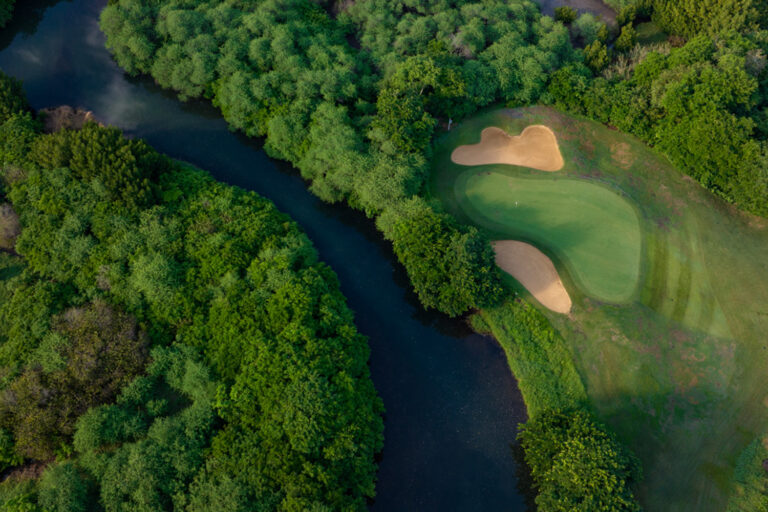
[(452, 404)]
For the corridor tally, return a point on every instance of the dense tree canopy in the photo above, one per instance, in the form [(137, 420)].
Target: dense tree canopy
[(691, 17), (173, 348), (577, 466), (286, 70), (352, 100)]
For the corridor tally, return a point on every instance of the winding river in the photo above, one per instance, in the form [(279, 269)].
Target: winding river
[(452, 404)]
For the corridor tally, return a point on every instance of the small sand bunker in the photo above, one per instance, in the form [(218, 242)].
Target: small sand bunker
[(535, 271), (536, 147)]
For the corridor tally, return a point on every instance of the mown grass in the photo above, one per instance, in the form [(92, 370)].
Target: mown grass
[(592, 229), (679, 371)]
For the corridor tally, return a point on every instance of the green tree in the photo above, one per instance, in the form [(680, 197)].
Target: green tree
[(6, 11), (691, 17), (596, 56), (451, 269), (63, 489), (103, 350), (566, 14), (12, 98), (627, 39), (124, 168), (577, 466)]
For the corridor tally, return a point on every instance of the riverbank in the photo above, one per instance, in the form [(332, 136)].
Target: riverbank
[(442, 384)]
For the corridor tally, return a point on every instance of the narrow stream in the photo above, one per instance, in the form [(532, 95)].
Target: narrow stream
[(452, 404)]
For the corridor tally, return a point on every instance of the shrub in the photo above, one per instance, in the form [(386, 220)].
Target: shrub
[(577, 466), (565, 14)]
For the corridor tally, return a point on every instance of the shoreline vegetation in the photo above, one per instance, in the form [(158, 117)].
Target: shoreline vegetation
[(358, 124), (167, 342), (353, 100), (419, 67)]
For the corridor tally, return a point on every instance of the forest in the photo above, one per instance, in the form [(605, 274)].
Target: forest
[(98, 230), (351, 95), (167, 342), (702, 100)]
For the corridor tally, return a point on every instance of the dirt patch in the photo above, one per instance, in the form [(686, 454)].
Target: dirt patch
[(65, 118), (30, 471), (535, 271), (536, 147), (622, 155), (10, 227)]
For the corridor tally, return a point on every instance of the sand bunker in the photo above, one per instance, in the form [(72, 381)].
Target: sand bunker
[(536, 147), (535, 271)]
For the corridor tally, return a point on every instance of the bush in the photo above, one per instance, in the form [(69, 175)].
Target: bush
[(627, 39), (577, 466), (596, 56), (565, 14), (12, 98), (62, 489)]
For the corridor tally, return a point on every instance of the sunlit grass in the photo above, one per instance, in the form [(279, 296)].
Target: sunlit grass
[(680, 371)]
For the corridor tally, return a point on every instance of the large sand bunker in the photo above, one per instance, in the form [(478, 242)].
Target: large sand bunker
[(535, 271), (536, 147)]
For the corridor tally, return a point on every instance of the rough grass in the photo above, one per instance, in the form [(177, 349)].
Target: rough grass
[(680, 371), (537, 355)]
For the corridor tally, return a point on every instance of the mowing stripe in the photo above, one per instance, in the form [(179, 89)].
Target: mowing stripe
[(682, 293), (657, 285)]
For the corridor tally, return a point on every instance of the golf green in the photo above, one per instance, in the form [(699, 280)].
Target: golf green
[(593, 230)]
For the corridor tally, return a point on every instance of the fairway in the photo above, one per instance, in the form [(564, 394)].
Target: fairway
[(592, 229), (676, 362)]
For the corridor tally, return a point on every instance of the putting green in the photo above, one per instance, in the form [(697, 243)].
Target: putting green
[(589, 227)]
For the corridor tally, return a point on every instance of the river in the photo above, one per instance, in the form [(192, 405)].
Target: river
[(452, 405)]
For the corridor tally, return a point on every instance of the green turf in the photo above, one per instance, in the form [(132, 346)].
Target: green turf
[(591, 228), (680, 370)]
